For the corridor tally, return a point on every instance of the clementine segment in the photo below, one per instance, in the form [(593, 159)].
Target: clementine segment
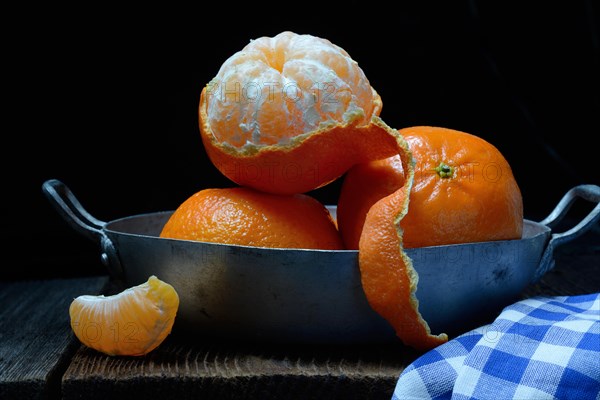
[(243, 216), (131, 323), (464, 191)]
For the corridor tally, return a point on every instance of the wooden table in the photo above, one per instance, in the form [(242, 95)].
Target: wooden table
[(41, 359)]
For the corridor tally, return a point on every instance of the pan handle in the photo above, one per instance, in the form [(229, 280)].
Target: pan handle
[(588, 192), (67, 205), (73, 212)]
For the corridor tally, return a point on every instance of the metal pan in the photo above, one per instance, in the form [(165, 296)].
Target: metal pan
[(315, 296)]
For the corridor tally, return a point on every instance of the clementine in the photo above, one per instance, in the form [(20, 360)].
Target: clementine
[(244, 216), (464, 191), (289, 114), (131, 323)]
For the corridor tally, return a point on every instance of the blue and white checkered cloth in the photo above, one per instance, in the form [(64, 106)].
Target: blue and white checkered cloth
[(539, 348)]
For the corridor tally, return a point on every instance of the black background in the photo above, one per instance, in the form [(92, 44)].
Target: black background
[(105, 99)]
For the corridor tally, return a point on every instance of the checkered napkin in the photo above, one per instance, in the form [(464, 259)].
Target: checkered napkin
[(539, 348)]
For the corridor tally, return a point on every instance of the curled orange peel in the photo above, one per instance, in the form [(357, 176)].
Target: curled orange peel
[(387, 274)]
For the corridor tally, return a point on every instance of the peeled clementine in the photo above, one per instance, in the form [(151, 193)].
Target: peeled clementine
[(464, 191), (131, 323), (289, 114), (247, 217)]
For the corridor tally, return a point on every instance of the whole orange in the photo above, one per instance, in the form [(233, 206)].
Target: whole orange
[(464, 191), (247, 217)]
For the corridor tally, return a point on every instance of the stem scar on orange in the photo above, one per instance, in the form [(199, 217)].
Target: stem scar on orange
[(292, 113), (464, 191)]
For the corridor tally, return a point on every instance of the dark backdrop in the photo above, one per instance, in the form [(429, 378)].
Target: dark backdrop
[(105, 99)]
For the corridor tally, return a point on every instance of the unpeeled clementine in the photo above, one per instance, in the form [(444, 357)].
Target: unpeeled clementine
[(464, 191)]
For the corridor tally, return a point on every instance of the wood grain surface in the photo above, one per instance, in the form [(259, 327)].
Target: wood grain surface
[(36, 343), (179, 369)]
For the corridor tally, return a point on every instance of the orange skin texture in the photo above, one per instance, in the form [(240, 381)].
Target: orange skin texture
[(481, 201), (308, 162), (243, 216)]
